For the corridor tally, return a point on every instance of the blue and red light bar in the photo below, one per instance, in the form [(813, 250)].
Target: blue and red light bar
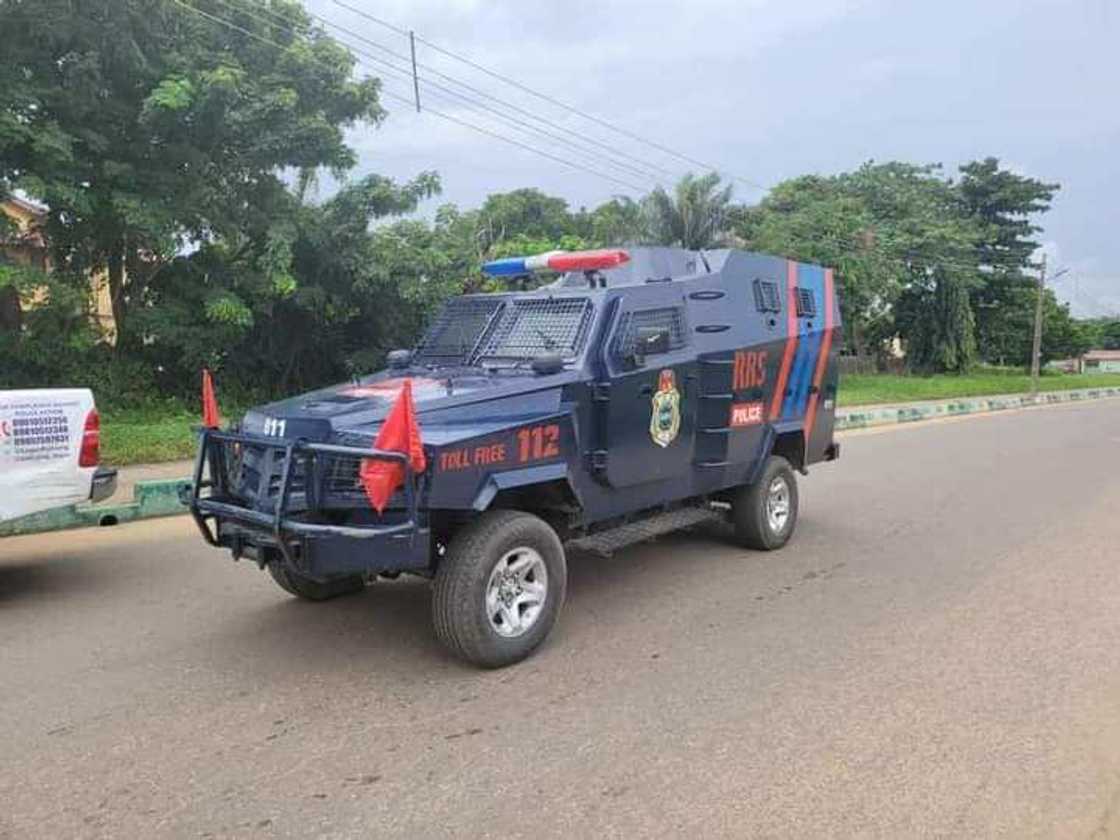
[(557, 261)]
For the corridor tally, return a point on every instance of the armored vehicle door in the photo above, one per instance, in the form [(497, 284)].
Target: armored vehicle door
[(648, 401)]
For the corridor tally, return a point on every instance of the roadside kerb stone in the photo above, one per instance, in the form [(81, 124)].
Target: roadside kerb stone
[(149, 499), (861, 418)]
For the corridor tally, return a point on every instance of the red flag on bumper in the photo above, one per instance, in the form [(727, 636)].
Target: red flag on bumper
[(399, 433), (210, 419)]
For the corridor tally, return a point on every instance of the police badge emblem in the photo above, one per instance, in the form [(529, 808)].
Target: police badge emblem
[(665, 419)]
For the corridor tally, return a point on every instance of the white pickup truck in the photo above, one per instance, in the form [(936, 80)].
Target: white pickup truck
[(50, 442)]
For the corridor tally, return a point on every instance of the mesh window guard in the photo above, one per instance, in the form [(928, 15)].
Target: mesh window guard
[(457, 330), (530, 327), (766, 297), (806, 303), (669, 318)]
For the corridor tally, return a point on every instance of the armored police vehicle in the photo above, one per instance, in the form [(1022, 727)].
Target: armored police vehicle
[(639, 392)]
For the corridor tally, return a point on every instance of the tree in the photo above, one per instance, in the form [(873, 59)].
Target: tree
[(1110, 335), (938, 325), (525, 212), (619, 221), (694, 216), (1002, 204), (1006, 325), (144, 126), (919, 226), (310, 297), (1102, 333), (11, 312), (901, 248), (55, 342)]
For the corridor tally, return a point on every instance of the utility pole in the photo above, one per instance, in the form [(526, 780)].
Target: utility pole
[(1036, 353), (415, 78)]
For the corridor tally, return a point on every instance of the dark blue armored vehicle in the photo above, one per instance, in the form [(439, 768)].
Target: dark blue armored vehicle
[(639, 393)]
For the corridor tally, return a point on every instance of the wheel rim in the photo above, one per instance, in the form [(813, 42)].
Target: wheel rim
[(516, 592), (777, 504)]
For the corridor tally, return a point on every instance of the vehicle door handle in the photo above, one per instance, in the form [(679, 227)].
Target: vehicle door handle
[(645, 391)]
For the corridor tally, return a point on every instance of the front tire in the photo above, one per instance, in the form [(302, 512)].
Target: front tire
[(765, 513), (499, 588), (313, 590)]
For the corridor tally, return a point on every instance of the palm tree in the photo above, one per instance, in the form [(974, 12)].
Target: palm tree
[(694, 216)]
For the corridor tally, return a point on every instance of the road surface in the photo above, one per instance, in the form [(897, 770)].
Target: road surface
[(937, 653)]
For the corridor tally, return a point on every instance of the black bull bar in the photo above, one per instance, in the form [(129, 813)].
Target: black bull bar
[(271, 519)]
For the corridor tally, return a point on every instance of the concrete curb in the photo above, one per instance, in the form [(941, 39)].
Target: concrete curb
[(161, 498), (862, 418), (149, 499)]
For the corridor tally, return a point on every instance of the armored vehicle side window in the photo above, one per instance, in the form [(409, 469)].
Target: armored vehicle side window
[(766, 297), (457, 330), (531, 327), (634, 324), (806, 303)]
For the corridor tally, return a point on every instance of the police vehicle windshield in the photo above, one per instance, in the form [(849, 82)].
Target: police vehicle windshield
[(491, 331)]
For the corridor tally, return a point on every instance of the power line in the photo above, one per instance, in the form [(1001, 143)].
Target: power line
[(516, 125), (546, 97), (406, 101), (610, 150), (933, 259), (479, 92)]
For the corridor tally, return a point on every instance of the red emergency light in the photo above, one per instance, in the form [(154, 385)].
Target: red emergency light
[(558, 261)]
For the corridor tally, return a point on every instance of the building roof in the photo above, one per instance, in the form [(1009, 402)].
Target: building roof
[(27, 205), (1102, 356), (28, 217)]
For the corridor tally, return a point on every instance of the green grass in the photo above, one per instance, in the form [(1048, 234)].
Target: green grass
[(885, 388), (144, 436)]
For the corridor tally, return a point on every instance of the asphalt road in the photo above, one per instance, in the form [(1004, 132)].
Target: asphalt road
[(937, 653)]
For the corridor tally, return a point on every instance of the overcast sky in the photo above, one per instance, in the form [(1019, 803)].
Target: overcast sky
[(771, 89)]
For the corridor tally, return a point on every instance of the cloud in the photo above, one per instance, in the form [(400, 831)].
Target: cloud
[(768, 90)]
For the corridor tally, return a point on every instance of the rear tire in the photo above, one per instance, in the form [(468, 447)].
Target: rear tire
[(499, 588), (313, 590), (765, 513)]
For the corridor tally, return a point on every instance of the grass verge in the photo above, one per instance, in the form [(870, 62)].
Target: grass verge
[(147, 436), (885, 388)]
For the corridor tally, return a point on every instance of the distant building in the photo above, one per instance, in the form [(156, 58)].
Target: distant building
[(1101, 361), (28, 247), (1095, 361)]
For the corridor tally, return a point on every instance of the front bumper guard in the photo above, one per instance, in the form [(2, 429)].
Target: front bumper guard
[(278, 528)]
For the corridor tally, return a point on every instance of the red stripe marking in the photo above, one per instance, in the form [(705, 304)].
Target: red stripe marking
[(791, 341), (822, 359)]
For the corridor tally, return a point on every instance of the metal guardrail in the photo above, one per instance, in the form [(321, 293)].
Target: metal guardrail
[(222, 502)]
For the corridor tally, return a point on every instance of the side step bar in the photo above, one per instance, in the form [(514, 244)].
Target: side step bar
[(610, 540)]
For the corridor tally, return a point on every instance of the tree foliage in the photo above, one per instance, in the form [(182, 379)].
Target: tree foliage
[(694, 216), (1103, 333), (1004, 204), (312, 297), (1005, 327), (940, 264), (143, 126), (177, 155)]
